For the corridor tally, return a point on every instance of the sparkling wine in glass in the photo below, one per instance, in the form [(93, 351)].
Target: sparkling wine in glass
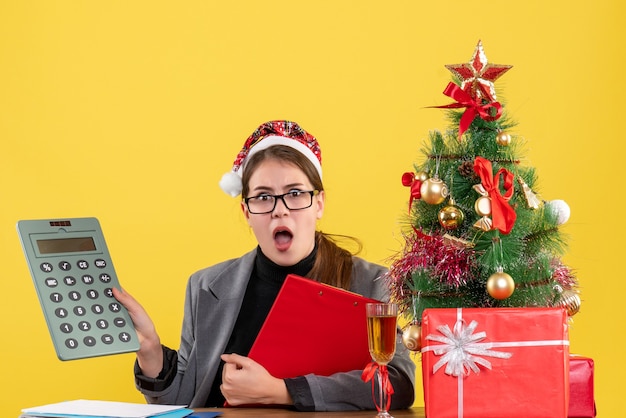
[(381, 336)]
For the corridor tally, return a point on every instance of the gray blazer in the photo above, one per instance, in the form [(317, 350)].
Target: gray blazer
[(213, 299)]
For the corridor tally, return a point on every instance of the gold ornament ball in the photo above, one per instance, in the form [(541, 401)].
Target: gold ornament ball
[(570, 300), (503, 139), (411, 337), (500, 285), (421, 176), (451, 217), (434, 191)]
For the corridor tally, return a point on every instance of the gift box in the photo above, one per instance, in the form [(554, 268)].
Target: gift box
[(495, 362), (581, 396)]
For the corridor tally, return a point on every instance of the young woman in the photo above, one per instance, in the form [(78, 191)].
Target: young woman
[(278, 173)]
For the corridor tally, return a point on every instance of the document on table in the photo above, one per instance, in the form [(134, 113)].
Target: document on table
[(107, 409)]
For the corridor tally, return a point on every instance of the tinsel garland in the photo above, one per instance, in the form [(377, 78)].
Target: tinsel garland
[(447, 263), (563, 275)]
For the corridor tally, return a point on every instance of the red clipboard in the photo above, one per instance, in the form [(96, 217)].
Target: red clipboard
[(313, 328)]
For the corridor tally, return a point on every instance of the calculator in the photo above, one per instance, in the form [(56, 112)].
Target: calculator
[(74, 276)]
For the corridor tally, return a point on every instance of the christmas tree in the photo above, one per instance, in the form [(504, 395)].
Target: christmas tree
[(477, 234)]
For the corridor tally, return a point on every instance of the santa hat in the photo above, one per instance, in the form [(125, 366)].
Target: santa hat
[(278, 132)]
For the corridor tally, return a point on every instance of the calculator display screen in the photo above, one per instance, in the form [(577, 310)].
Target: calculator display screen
[(66, 245)]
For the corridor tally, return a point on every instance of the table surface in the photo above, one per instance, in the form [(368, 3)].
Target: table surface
[(286, 413)]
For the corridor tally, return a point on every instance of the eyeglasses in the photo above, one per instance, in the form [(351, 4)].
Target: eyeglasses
[(293, 200)]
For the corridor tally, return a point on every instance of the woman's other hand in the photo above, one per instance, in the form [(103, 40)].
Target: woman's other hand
[(244, 381)]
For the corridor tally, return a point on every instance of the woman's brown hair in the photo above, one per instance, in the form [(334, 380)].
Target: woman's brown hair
[(333, 264)]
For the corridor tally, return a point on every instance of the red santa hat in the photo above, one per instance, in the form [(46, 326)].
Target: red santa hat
[(277, 132)]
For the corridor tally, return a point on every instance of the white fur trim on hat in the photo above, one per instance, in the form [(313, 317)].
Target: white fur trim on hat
[(270, 140), (231, 181)]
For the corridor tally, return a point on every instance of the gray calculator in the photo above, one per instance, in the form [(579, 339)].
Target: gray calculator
[(74, 276)]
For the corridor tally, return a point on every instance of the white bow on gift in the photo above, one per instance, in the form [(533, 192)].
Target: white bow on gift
[(460, 349)]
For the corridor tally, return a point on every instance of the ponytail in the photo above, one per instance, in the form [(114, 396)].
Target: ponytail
[(333, 264)]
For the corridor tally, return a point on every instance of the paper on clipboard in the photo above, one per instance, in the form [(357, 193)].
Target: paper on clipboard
[(313, 328)]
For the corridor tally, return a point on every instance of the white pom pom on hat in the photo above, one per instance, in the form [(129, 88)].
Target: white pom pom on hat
[(278, 132), (231, 183)]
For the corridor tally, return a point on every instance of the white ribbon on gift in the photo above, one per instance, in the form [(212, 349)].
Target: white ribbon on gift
[(460, 350)]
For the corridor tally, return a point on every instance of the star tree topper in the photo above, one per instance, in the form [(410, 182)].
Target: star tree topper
[(478, 75)]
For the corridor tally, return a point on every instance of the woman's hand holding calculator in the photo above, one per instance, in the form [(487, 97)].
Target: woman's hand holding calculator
[(150, 354)]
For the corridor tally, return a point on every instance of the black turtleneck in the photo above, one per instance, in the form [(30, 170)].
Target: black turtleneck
[(265, 282)]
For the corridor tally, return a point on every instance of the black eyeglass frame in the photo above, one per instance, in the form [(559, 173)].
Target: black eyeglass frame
[(281, 197)]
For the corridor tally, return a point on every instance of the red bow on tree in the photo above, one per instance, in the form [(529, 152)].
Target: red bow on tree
[(502, 214), (409, 180), (473, 107)]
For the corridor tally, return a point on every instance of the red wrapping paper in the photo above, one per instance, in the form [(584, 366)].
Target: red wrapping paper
[(581, 396), (532, 383)]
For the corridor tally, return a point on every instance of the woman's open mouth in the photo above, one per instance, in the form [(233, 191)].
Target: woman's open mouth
[(282, 238)]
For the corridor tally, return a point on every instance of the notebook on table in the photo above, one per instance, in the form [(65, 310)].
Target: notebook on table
[(313, 328)]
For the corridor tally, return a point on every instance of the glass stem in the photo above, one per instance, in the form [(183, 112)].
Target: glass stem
[(381, 393)]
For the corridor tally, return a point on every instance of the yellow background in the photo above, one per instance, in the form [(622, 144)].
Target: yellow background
[(130, 111)]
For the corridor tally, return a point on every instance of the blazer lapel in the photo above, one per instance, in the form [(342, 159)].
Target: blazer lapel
[(217, 311)]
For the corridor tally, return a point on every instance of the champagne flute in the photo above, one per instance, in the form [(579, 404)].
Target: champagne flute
[(381, 336)]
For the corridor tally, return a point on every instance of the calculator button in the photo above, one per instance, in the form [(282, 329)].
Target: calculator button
[(79, 310), (71, 343), (97, 309), (82, 264), (119, 322), (66, 328), (65, 266), (89, 341), (69, 280), (84, 326), (60, 312), (105, 278), (114, 307), (46, 267), (100, 263), (102, 324), (75, 296), (87, 279), (92, 294), (108, 292), (124, 336), (51, 282), (107, 339), (56, 297)]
